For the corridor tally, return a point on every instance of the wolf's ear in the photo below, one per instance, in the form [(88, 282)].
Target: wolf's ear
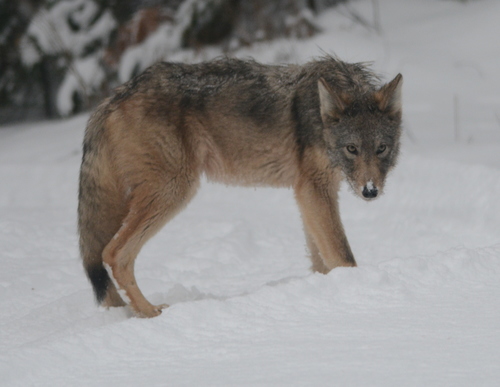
[(389, 97), (331, 104)]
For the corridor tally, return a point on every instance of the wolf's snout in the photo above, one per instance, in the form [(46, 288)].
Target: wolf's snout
[(369, 191)]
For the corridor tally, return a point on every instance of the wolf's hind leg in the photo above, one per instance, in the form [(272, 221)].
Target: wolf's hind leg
[(153, 203), (112, 297)]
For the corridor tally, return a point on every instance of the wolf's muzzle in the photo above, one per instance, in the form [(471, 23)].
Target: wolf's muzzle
[(370, 193)]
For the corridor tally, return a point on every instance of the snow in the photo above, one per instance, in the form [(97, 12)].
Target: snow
[(50, 32), (83, 74), (164, 41), (422, 308)]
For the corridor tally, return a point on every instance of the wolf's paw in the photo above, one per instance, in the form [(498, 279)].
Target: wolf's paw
[(153, 311)]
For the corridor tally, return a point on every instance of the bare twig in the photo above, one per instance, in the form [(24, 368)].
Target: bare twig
[(410, 135), (66, 53), (456, 118), (71, 64), (376, 16), (374, 25), (497, 116)]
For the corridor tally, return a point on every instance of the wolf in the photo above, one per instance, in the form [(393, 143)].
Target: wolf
[(307, 127)]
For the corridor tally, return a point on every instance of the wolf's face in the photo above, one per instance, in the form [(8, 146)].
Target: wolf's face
[(362, 134)]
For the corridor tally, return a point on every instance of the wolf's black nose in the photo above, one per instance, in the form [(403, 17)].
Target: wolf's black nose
[(370, 193)]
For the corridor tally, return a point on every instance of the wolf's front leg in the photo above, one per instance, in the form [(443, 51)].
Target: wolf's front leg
[(317, 262), (324, 231)]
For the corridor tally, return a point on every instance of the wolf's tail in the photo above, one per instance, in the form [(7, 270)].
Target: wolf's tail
[(100, 205)]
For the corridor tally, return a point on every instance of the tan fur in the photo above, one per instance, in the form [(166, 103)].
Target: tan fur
[(145, 159), (316, 192), (155, 198)]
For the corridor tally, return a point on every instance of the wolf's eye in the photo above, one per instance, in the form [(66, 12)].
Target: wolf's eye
[(381, 149), (352, 149)]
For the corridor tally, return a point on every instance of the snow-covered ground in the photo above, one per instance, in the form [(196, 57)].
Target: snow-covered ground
[(422, 308)]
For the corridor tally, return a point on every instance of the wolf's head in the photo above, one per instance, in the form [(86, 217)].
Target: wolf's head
[(362, 132)]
